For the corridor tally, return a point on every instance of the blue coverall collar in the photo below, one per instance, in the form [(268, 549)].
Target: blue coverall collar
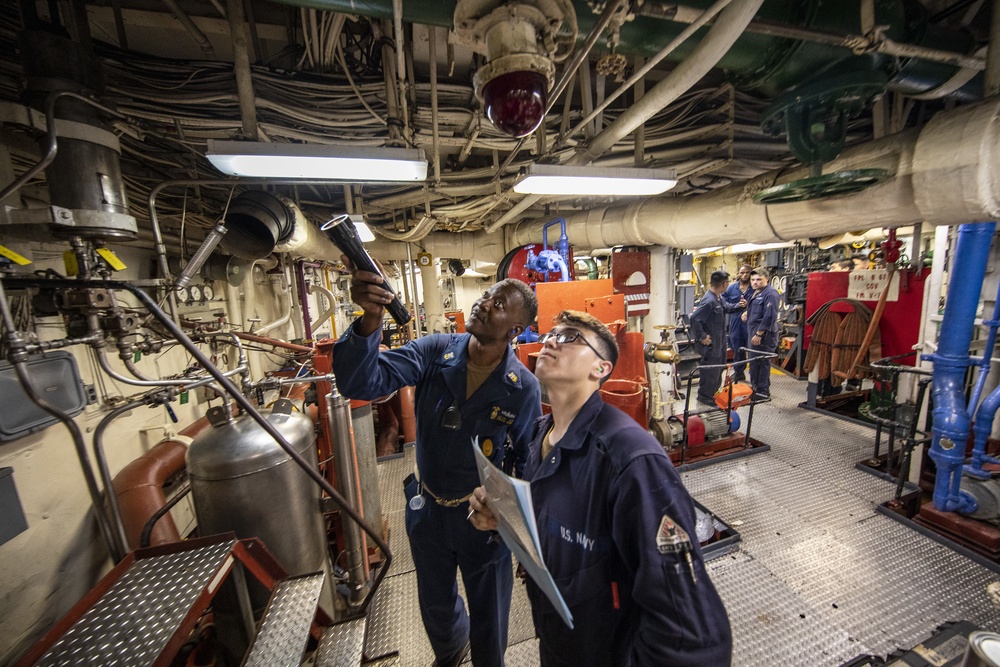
[(454, 372)]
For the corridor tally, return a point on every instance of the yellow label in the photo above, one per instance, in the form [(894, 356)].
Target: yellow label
[(69, 261), (112, 259), (13, 256), (424, 259), (487, 447)]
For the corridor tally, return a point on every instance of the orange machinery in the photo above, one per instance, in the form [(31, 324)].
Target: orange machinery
[(627, 386)]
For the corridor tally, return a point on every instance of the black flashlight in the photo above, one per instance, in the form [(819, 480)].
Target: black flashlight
[(341, 231)]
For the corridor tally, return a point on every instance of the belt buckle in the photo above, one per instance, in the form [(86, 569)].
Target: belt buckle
[(444, 502)]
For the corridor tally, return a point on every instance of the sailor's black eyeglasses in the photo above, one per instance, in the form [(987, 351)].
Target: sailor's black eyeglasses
[(567, 336)]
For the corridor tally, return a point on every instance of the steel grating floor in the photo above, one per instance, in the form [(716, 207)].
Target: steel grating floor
[(819, 576)]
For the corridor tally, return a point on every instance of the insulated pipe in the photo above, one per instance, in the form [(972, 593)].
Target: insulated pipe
[(138, 489), (720, 38), (331, 307), (951, 419), (433, 305)]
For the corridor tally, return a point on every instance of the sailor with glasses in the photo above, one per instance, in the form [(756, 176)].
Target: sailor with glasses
[(467, 385), (616, 526)]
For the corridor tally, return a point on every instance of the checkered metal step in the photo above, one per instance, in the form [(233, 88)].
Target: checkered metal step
[(122, 627), (342, 644), (284, 630)]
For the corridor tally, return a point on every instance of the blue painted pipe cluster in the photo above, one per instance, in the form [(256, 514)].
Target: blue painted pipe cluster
[(952, 417), (556, 259)]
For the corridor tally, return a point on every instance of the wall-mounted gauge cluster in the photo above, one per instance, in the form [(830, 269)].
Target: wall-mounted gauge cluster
[(195, 294)]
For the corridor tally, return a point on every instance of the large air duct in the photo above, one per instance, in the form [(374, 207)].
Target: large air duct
[(947, 173), (260, 223)]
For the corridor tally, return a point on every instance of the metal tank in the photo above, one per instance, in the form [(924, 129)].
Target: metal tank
[(244, 482)]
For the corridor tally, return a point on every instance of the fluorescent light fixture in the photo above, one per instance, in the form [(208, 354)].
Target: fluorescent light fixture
[(364, 231), (551, 179), (315, 161)]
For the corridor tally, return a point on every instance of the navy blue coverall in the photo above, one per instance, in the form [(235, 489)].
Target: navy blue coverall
[(738, 337), (506, 405), (617, 533), (709, 318), (762, 317)]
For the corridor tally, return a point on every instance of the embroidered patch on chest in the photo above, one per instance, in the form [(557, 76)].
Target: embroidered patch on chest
[(449, 355), (512, 376), (498, 414), (671, 538), (487, 447)]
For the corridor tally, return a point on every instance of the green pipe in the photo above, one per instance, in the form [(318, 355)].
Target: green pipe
[(771, 65)]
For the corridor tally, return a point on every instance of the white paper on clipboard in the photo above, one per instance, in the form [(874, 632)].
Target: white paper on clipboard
[(510, 502)]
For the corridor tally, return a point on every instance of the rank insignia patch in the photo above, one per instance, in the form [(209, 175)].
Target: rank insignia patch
[(671, 538)]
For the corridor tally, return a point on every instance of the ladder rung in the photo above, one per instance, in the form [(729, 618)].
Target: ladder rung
[(284, 630)]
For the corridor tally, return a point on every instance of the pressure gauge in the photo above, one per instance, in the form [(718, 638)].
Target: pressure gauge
[(196, 293), (183, 295), (207, 292)]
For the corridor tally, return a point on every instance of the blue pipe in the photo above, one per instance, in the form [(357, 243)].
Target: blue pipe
[(951, 416), (562, 245), (984, 364), (982, 429)]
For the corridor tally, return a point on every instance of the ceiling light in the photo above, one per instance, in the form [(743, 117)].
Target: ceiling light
[(550, 179), (364, 231), (313, 161)]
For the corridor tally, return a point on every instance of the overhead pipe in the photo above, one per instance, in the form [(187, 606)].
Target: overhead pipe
[(951, 417), (641, 72), (720, 38), (189, 25), (946, 173), (771, 63)]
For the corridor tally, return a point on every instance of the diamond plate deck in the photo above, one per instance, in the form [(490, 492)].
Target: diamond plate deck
[(819, 576), (284, 630), (123, 628), (342, 644)]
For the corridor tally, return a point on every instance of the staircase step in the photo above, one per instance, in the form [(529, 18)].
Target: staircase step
[(284, 630), (387, 661), (132, 622), (342, 644)]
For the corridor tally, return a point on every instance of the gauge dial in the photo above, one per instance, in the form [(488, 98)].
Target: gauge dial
[(196, 293), (183, 295), (207, 292)]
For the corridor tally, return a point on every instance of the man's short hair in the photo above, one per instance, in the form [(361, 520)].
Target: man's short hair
[(718, 278), (760, 271), (529, 302), (606, 342)]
